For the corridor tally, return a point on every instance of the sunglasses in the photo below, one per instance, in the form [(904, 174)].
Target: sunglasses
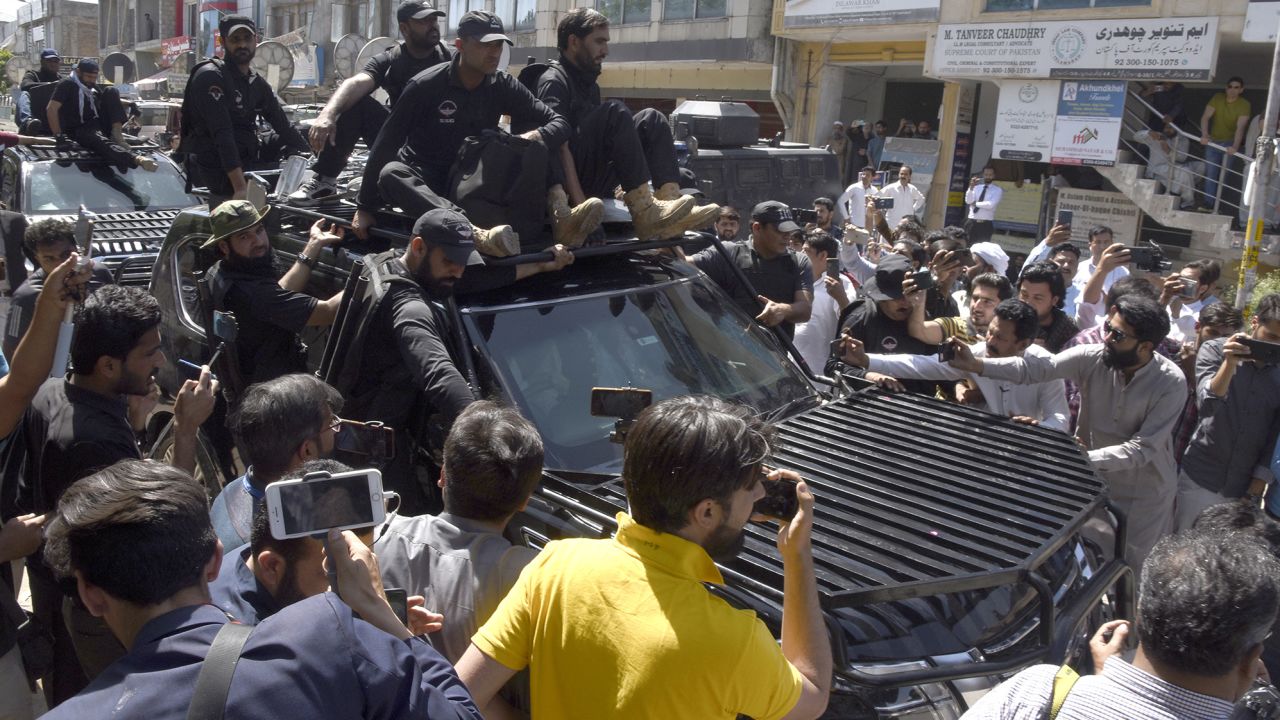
[(1109, 330)]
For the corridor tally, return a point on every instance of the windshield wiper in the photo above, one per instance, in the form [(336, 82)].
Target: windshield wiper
[(785, 410)]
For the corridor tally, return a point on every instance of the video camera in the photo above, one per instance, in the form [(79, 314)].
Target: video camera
[(1150, 259), (805, 217)]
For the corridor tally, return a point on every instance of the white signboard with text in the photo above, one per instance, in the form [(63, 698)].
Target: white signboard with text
[(1130, 49), (821, 13), (1024, 121), (1098, 207), (1261, 21), (1090, 118)]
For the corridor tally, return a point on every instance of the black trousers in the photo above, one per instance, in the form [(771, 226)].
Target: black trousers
[(214, 178), (91, 138), (613, 147), (979, 230), (66, 678), (363, 120), (412, 190)]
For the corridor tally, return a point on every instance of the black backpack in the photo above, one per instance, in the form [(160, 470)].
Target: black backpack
[(366, 287)]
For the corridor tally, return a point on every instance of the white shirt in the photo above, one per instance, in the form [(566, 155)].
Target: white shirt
[(813, 338), (1046, 401), (853, 203), (1182, 326), (1087, 269), (984, 209), (906, 201)]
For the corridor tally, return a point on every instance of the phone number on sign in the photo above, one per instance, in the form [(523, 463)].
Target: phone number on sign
[(1150, 62)]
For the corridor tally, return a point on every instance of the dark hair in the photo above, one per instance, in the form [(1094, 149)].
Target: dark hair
[(1100, 229), (1045, 272), (49, 231), (914, 230), (919, 255), (990, 167), (821, 241), (1149, 321), (1220, 314), (1242, 516), (578, 22), (492, 462), (277, 416), (1268, 309), (1067, 248), (1206, 600), (957, 232), (825, 202), (1131, 285), (139, 530), (940, 240), (1026, 323), (111, 322), (1210, 270), (687, 449), (865, 168), (1003, 288), (293, 550), (1235, 79), (729, 211)]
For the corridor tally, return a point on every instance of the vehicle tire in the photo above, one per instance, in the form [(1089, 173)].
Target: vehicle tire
[(207, 472)]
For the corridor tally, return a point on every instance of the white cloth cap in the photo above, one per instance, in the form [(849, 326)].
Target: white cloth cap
[(992, 254)]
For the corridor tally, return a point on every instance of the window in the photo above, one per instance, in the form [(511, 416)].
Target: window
[(625, 12), (526, 15), (997, 5), (690, 9)]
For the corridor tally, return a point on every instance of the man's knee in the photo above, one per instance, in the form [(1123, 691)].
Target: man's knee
[(649, 117)]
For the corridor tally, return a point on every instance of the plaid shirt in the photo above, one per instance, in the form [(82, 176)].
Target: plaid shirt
[(1167, 348)]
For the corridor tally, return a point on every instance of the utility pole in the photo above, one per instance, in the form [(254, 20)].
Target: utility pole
[(1264, 163)]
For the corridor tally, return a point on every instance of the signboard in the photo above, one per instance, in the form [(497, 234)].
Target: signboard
[(1132, 49), (1019, 208), (1097, 207), (1025, 120), (1261, 21), (1090, 116), (820, 13), (171, 49)]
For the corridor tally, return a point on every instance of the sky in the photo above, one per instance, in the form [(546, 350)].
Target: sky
[(9, 9)]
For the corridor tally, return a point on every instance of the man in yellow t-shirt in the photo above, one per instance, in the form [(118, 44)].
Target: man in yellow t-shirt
[(625, 628), (1222, 126)]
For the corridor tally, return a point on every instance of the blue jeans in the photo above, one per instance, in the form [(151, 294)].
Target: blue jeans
[(23, 108), (1213, 161)]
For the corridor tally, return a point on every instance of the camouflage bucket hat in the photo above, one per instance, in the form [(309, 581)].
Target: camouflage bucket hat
[(231, 217)]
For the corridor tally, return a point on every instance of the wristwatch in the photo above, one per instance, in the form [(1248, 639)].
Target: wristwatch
[(307, 262)]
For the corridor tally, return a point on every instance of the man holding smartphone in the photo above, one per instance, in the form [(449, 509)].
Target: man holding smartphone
[(832, 293), (625, 627), (983, 197)]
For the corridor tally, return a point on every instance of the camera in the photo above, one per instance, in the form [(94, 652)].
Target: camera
[(1150, 259), (779, 501), (805, 217), (923, 279), (884, 203), (1261, 702), (946, 352), (1262, 352)]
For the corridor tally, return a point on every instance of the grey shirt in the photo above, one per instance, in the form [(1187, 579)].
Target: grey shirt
[(1234, 436), (462, 568), (1128, 427)]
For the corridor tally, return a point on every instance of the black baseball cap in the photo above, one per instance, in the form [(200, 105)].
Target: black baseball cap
[(450, 231), (485, 26), (772, 212), (231, 23), (49, 54), (887, 284), (89, 65), (416, 10)]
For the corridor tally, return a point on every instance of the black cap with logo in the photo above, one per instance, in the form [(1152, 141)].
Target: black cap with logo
[(416, 10), (450, 231), (887, 284), (772, 212), (484, 26), (231, 23)]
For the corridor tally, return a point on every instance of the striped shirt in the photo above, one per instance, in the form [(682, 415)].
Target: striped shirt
[(1120, 691)]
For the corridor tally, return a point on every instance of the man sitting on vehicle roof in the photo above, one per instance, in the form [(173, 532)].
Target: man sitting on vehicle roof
[(48, 72), (352, 113), (80, 112), (609, 146), (270, 309)]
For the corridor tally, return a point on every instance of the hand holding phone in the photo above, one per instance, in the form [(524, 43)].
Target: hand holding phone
[(1065, 217), (780, 501), (833, 268), (303, 507)]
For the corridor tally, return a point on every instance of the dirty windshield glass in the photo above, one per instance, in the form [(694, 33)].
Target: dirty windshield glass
[(57, 187), (675, 339)]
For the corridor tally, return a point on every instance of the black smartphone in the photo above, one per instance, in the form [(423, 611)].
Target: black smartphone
[(1263, 352), (364, 444), (1065, 216), (946, 351), (963, 255), (923, 279), (625, 403), (779, 499), (398, 599), (833, 268), (884, 203)]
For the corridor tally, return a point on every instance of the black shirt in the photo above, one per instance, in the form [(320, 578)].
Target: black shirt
[(269, 319), (568, 91), (70, 114), (1058, 332), (223, 106), (882, 336), (22, 306), (37, 77), (777, 278), (436, 114), (392, 69)]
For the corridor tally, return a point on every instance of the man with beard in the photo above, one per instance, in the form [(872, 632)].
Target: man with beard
[(270, 310), (406, 368), (77, 426), (77, 111), (352, 113), (610, 147), (1131, 398), (728, 224), (220, 109), (1041, 286), (625, 627)]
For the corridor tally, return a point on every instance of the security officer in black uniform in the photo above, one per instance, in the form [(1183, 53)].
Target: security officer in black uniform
[(439, 109), (79, 111), (352, 114), (220, 108), (48, 72), (609, 145)]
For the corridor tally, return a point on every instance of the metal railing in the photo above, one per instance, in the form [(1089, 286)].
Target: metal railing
[(1173, 161)]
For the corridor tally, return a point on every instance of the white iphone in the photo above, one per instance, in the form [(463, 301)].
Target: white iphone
[(298, 508)]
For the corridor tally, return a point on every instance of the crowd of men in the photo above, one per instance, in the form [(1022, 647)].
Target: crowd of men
[(146, 596)]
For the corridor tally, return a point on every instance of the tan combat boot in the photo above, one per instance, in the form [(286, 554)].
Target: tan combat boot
[(651, 217), (570, 226), (498, 241), (699, 218)]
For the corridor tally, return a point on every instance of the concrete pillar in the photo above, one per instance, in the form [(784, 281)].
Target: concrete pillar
[(830, 90), (936, 202)]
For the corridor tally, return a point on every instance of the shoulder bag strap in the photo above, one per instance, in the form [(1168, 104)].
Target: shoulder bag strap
[(209, 701)]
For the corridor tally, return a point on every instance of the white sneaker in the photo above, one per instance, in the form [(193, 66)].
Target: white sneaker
[(314, 192)]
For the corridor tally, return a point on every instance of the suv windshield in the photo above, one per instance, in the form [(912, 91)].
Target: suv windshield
[(674, 339), (62, 186)]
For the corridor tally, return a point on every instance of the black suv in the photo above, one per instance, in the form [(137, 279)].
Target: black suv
[(134, 209), (947, 541)]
